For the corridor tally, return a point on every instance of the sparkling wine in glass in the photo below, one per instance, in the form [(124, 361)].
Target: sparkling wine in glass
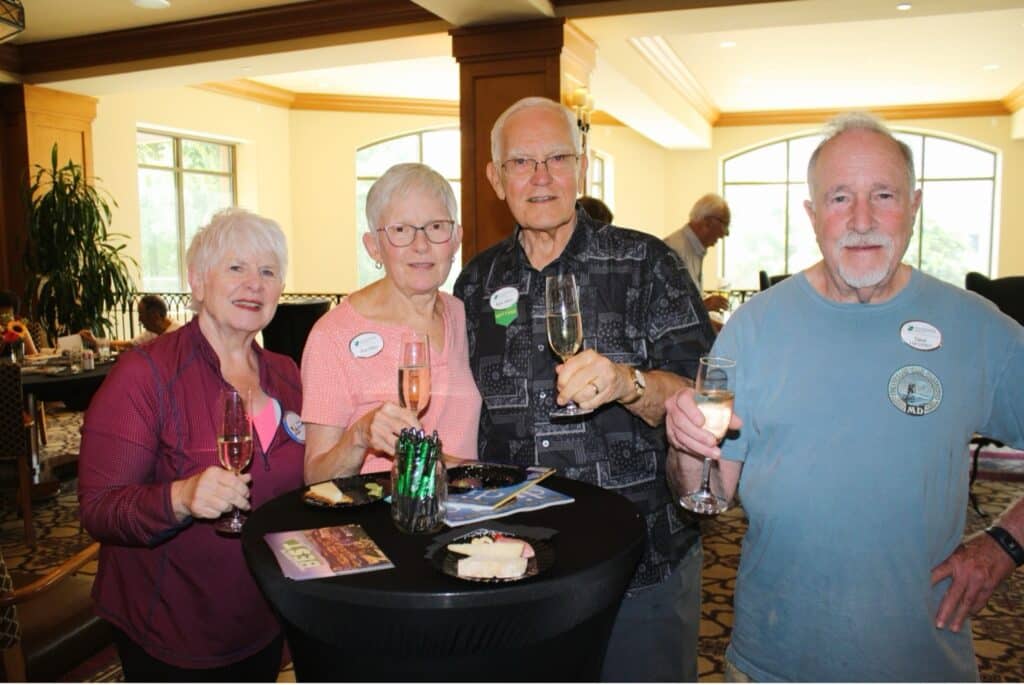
[(414, 372), (234, 448), (565, 327), (714, 395)]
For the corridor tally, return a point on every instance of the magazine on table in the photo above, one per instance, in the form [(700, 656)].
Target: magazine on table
[(326, 552), (483, 504)]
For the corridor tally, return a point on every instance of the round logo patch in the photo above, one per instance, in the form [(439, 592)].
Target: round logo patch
[(915, 390)]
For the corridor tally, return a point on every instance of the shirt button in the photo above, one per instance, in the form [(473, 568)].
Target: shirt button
[(540, 348), (543, 395), (545, 443)]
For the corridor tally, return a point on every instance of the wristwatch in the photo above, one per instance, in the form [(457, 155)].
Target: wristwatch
[(1008, 543), (639, 386)]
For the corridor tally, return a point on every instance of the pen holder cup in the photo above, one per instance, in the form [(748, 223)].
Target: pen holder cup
[(419, 484)]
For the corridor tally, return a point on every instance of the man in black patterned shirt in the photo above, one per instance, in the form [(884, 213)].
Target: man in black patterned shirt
[(644, 330)]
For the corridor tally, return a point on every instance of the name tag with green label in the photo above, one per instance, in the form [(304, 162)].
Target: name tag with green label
[(505, 303)]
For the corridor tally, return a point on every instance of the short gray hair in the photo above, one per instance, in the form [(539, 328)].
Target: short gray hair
[(861, 121), (403, 178), (238, 231), (533, 101), (708, 205)]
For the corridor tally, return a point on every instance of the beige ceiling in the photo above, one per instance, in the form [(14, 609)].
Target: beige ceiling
[(664, 73)]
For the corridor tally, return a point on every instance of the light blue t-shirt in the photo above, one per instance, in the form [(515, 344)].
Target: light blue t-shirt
[(855, 475)]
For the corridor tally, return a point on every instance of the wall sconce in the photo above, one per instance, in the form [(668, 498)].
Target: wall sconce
[(583, 105), (12, 19)]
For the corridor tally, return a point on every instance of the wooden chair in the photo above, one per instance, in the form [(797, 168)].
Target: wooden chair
[(17, 441), (1007, 294), (48, 626)]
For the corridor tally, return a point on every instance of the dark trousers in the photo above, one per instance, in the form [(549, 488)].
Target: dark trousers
[(140, 667), (654, 638)]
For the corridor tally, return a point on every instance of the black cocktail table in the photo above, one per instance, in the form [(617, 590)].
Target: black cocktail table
[(414, 623)]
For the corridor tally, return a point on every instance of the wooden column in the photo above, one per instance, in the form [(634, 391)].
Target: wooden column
[(498, 65), (33, 120)]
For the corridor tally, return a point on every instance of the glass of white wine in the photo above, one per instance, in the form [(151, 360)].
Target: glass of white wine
[(565, 327), (414, 372), (715, 390), (234, 447)]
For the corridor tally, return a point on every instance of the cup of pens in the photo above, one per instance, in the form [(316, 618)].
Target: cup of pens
[(419, 484)]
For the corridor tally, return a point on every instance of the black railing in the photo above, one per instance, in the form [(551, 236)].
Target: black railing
[(126, 319)]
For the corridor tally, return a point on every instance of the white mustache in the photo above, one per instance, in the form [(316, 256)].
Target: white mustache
[(864, 240)]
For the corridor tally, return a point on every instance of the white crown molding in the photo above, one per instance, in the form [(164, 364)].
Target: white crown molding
[(663, 59)]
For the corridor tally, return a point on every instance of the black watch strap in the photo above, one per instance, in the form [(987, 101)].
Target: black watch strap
[(1008, 543)]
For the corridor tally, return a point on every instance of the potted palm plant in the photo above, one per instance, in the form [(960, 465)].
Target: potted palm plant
[(75, 276)]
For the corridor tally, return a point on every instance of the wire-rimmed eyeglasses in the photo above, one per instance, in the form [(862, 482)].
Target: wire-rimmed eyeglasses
[(561, 163), (438, 231)]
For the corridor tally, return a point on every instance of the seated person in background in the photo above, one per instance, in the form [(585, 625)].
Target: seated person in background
[(8, 312), (597, 210), (350, 363), (154, 320), (709, 222)]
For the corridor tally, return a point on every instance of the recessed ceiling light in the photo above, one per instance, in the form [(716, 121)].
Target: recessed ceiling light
[(727, 44), (152, 4), (904, 6), (990, 67)]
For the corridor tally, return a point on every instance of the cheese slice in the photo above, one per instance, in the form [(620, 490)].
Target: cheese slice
[(328, 492), (509, 549), (478, 567)]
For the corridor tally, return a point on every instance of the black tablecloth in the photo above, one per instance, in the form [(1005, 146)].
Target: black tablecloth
[(414, 623), (74, 389)]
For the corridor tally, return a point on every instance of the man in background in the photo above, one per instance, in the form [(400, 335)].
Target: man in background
[(859, 382), (644, 331), (597, 209), (153, 317), (709, 223)]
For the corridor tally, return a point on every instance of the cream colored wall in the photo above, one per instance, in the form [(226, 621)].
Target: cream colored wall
[(323, 186), (261, 131), (638, 187), (693, 173)]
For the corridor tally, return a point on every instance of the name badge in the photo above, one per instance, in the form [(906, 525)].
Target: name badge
[(366, 345), (504, 302), (921, 335), (294, 427)]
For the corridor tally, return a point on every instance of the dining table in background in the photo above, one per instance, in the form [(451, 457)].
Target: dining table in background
[(75, 389), (415, 623)]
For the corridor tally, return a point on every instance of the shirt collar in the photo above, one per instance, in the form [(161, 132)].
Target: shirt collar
[(695, 243)]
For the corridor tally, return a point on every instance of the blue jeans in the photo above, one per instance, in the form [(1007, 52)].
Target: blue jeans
[(654, 638)]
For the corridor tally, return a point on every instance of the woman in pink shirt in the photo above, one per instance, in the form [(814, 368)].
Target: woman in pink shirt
[(350, 362)]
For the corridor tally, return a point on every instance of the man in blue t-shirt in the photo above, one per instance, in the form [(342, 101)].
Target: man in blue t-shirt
[(859, 383)]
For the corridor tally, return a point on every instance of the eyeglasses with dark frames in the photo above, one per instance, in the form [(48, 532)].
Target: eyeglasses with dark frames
[(438, 232), (561, 163)]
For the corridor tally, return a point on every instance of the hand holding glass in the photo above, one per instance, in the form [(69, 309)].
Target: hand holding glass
[(565, 327), (234, 447), (713, 394), (414, 372)]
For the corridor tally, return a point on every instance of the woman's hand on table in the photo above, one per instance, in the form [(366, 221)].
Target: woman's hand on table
[(210, 493)]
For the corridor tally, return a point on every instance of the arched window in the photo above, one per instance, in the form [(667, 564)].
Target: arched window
[(766, 188), (438, 148)]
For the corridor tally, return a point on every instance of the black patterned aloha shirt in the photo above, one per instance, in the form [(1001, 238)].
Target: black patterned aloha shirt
[(640, 308)]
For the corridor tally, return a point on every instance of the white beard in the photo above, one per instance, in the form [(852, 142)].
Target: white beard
[(859, 278)]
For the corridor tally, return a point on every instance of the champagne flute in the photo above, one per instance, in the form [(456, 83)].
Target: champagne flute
[(565, 327), (714, 394), (414, 372), (234, 447)]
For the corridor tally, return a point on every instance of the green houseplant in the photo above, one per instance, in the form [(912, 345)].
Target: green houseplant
[(74, 275)]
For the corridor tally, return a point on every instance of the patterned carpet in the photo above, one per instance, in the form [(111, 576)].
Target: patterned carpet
[(998, 630)]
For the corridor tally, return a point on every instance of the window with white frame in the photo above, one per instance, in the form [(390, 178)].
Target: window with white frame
[(183, 181), (597, 185), (766, 188), (438, 148)]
